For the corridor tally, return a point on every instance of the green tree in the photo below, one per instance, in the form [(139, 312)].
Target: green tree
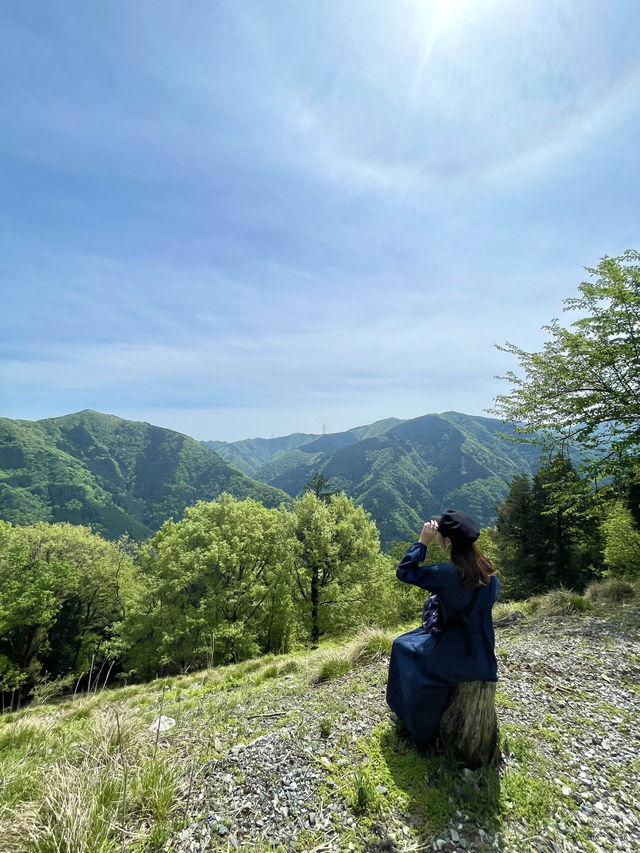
[(64, 590), (547, 531), (515, 541), (320, 486), (335, 562), (565, 525), (621, 541), (584, 385), (216, 588)]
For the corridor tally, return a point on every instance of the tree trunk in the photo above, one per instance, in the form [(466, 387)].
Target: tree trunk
[(469, 726)]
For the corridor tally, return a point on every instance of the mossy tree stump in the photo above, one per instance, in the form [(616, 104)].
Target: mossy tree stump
[(469, 725)]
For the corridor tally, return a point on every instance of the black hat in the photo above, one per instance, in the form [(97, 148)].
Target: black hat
[(456, 525)]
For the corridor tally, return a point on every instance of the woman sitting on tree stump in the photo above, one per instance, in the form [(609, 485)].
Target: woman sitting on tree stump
[(456, 641)]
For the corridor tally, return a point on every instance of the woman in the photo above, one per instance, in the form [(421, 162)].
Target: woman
[(456, 640)]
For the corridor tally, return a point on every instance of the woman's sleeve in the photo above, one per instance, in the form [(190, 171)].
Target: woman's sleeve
[(426, 577)]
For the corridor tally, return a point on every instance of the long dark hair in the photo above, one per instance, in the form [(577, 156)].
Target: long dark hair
[(475, 569)]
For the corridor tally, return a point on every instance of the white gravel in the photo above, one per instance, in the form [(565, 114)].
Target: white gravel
[(565, 687)]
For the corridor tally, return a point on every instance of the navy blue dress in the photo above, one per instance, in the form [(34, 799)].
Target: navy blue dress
[(424, 666)]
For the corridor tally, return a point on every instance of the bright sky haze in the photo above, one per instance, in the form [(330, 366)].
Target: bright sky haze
[(240, 218)]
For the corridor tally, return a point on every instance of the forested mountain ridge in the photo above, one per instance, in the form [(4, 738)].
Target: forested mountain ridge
[(119, 475), (115, 474), (401, 471), (252, 454)]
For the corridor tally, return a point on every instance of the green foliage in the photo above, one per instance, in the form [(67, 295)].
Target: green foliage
[(216, 588), (364, 797), (320, 486), (63, 588), (325, 727), (116, 475), (331, 666), (584, 385), (621, 541), (557, 602), (547, 532), (335, 565)]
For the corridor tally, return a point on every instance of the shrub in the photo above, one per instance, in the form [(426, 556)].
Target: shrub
[(329, 667), (370, 645), (621, 542), (505, 608), (610, 591), (557, 602)]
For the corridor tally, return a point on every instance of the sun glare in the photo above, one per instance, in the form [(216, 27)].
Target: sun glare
[(446, 13), (437, 17)]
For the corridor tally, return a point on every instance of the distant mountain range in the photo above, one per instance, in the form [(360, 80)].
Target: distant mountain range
[(119, 475), (400, 471)]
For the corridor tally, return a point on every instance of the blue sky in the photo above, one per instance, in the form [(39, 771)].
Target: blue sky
[(240, 218)]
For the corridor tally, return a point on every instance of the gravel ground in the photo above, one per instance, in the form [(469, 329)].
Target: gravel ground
[(568, 688)]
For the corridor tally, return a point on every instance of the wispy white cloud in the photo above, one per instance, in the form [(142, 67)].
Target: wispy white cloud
[(314, 207)]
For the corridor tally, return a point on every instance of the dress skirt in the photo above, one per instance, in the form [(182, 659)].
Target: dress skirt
[(414, 692)]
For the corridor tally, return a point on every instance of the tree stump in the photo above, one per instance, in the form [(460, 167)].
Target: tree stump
[(469, 725)]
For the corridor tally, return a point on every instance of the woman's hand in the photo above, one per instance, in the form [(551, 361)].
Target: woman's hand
[(429, 530)]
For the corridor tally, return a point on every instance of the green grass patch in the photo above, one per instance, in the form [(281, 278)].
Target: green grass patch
[(503, 701), (557, 602), (530, 796), (371, 645), (512, 743), (330, 666), (432, 786)]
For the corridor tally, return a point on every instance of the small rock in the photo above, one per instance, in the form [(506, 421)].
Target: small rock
[(161, 724)]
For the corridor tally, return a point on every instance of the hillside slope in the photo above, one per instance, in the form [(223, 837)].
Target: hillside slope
[(252, 454), (259, 758), (404, 471), (117, 475)]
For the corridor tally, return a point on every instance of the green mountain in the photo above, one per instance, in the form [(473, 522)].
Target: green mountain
[(252, 454), (117, 475), (403, 471)]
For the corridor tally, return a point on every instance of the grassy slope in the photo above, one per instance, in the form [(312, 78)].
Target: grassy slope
[(90, 774), (92, 468)]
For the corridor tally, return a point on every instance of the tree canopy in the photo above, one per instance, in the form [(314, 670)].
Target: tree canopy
[(216, 588), (63, 590), (584, 385)]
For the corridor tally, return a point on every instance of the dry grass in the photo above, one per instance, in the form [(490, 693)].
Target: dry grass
[(556, 602), (371, 645), (611, 591), (82, 784)]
